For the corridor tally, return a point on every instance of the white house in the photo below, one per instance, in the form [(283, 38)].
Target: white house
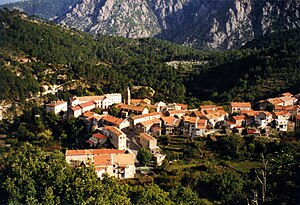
[(148, 142), (57, 107), (116, 136), (115, 163)]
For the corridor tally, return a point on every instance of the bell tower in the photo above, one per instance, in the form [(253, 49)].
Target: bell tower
[(128, 96)]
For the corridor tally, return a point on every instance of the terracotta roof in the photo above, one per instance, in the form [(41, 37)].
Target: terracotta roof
[(75, 108), (150, 122), (99, 136), (147, 136), (168, 120), (252, 131), (286, 108), (113, 120), (275, 101), (201, 124), (158, 114), (287, 94), (249, 113), (239, 117), (88, 114), (56, 103), (87, 104), (123, 159), (89, 98), (152, 106), (189, 119), (107, 151), (175, 112), (208, 107), (103, 159), (114, 130), (92, 152), (240, 104), (198, 113), (130, 107), (281, 113), (183, 106)]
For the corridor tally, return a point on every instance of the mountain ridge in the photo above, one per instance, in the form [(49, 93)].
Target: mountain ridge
[(196, 23)]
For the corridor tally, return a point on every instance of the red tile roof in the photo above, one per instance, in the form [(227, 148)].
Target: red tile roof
[(113, 120), (87, 104), (99, 136), (93, 152), (114, 130), (158, 114), (147, 136), (240, 104)]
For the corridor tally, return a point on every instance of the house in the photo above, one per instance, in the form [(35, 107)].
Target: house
[(145, 117), (158, 158), (193, 126), (148, 142), (115, 163), (238, 121), (292, 109), (57, 107), (87, 106), (170, 125), (161, 106), (285, 99), (281, 120), (148, 126), (102, 101), (177, 106), (264, 119), (78, 110), (114, 121), (131, 109), (178, 113), (116, 136), (91, 120), (137, 102), (211, 108), (75, 111), (212, 113), (97, 139), (250, 116), (237, 107)]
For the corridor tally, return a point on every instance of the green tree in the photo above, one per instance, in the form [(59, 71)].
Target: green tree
[(144, 156)]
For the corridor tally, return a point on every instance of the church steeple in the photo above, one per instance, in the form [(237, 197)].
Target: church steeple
[(128, 96)]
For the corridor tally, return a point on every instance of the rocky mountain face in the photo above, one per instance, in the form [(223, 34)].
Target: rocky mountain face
[(216, 24)]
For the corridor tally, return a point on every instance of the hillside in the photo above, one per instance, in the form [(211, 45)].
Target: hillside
[(110, 64), (106, 64), (202, 24), (263, 68)]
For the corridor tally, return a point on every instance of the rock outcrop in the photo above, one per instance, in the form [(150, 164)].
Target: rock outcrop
[(199, 23)]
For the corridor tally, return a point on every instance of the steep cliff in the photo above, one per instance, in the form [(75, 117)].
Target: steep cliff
[(128, 18), (198, 23)]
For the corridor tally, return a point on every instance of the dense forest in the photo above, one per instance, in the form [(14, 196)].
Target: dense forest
[(110, 64)]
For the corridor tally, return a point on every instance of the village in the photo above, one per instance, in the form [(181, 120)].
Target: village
[(138, 123)]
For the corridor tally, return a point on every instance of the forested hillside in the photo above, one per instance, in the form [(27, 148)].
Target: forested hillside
[(110, 64), (262, 68)]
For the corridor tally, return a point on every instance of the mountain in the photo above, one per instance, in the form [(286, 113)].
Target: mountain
[(198, 23)]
